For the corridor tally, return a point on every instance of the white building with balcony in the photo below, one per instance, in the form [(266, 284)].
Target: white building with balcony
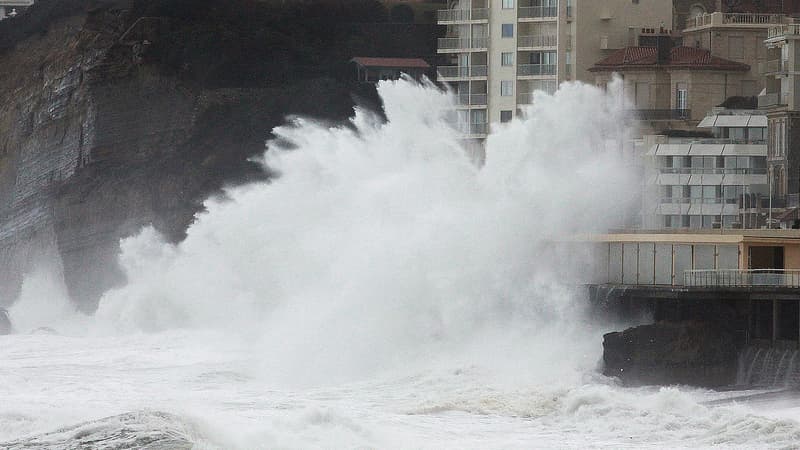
[(501, 51), (716, 182)]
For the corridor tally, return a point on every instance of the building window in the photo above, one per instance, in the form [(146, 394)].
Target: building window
[(505, 116), (506, 88), (681, 97), (507, 59), (507, 30), (508, 4)]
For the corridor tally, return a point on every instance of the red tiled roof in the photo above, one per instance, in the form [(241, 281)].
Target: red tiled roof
[(391, 62), (679, 58)]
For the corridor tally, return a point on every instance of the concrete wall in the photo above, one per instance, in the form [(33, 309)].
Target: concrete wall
[(616, 22)]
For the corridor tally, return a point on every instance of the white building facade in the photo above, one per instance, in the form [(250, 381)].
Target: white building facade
[(501, 51)]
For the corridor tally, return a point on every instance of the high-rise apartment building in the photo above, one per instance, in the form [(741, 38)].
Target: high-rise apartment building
[(501, 51)]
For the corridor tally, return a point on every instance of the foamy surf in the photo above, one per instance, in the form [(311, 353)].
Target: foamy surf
[(383, 292)]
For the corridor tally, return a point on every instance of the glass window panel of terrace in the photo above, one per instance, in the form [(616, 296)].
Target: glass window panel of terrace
[(732, 194), (756, 133), (695, 221), (695, 193), (708, 221), (742, 162), (711, 193), (736, 133), (758, 162)]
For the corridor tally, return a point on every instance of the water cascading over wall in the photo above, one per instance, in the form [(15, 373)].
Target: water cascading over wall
[(769, 367)]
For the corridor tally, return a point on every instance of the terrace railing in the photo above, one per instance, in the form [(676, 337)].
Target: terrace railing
[(742, 278)]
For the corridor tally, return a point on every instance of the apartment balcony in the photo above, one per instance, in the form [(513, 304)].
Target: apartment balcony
[(457, 44), (471, 100), (735, 20), (770, 100), (452, 16), (783, 32), (537, 41), (534, 13), (473, 130), (459, 73), (534, 70), (662, 114)]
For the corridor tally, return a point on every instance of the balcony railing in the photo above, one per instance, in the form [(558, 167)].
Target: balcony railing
[(473, 129), (783, 30), (709, 171), (717, 141), (471, 99), (536, 69), (544, 40), (662, 114), (463, 43), (771, 99), (742, 278), (537, 12), (462, 15), (462, 71), (718, 18)]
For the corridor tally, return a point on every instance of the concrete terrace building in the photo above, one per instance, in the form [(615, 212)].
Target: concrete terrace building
[(716, 182), (10, 8), (501, 51)]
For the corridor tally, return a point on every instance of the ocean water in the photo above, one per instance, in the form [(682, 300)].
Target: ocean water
[(382, 292)]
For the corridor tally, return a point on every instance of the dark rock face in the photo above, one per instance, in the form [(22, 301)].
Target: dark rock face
[(690, 352), (110, 122)]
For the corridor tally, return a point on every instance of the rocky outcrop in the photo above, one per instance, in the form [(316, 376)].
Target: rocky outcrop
[(119, 114), (690, 352)]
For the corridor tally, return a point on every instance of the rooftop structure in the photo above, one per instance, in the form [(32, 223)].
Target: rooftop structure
[(372, 70), (10, 8)]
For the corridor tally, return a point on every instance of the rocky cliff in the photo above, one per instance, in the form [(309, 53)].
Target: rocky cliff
[(120, 114)]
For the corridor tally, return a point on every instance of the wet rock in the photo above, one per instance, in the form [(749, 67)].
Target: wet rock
[(690, 352)]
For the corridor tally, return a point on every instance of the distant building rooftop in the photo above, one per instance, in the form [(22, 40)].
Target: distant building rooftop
[(679, 58)]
